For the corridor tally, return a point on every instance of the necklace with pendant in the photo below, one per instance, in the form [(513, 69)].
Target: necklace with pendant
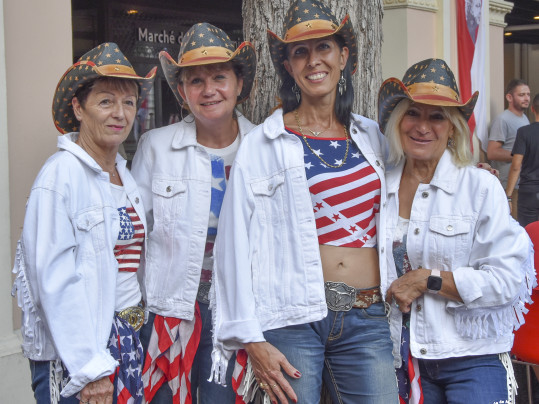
[(296, 115)]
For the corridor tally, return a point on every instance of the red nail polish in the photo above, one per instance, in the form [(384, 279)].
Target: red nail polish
[(297, 374)]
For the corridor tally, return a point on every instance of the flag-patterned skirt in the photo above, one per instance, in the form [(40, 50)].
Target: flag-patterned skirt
[(171, 352)]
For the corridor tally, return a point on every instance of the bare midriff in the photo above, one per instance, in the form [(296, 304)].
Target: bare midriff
[(357, 267)]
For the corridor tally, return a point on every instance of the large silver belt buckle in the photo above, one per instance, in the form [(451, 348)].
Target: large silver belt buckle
[(339, 296), (204, 292)]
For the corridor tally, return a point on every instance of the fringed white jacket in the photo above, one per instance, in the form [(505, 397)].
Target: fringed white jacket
[(460, 222), (65, 264)]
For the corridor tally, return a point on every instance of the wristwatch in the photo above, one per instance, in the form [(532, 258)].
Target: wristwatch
[(434, 281)]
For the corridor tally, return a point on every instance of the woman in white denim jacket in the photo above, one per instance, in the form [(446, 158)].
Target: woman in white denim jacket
[(182, 170), (67, 271), (464, 266), (297, 260)]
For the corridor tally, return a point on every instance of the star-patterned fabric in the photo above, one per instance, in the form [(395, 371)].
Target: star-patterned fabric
[(205, 44), (125, 347), (408, 379), (106, 60), (430, 81), (345, 199), (309, 19), (221, 162)]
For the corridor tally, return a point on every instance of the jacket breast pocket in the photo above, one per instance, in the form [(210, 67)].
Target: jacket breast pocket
[(168, 198), (452, 235), (269, 195), (90, 229)]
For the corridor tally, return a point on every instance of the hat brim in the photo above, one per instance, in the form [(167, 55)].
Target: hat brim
[(244, 55), (81, 73), (318, 29), (393, 91)]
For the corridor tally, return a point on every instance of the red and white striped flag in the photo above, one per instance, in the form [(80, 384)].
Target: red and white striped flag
[(472, 26), (171, 351)]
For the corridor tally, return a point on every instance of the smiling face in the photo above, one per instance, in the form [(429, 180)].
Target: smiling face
[(107, 113), (424, 132), (316, 65), (210, 91)]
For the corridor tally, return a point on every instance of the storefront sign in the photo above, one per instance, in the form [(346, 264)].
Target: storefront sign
[(159, 37)]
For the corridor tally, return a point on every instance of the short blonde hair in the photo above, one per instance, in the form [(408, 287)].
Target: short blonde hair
[(460, 149)]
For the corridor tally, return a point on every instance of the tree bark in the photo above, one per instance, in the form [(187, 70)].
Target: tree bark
[(366, 16)]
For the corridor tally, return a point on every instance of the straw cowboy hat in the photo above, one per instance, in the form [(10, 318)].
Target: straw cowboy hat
[(106, 60), (310, 19), (206, 44), (430, 81)]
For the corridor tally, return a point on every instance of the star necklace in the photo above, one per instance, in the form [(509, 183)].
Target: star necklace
[(296, 115)]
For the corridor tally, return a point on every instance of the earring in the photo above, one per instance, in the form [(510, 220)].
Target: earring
[(450, 143), (342, 84), (297, 92)]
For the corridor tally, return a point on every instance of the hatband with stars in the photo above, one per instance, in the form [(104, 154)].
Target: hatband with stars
[(311, 19), (431, 82), (205, 44), (105, 60)]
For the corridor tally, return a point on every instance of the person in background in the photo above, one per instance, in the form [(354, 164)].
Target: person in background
[(80, 249), (297, 257), (503, 130), (525, 163), (460, 268), (182, 170)]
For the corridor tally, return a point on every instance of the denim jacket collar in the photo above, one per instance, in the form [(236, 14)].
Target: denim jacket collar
[(445, 176), (186, 132)]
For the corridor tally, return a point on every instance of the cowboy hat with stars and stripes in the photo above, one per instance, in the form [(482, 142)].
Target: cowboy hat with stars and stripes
[(430, 81), (205, 44), (106, 60)]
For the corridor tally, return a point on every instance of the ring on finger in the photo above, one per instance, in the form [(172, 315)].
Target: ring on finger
[(274, 385), (263, 386)]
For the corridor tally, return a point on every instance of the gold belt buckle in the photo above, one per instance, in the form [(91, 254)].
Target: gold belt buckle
[(134, 316)]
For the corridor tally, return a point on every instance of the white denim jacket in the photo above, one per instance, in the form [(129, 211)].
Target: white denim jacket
[(460, 222), (174, 176), (267, 267), (65, 264)]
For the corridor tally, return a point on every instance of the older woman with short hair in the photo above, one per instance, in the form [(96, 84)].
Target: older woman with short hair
[(81, 243), (460, 268)]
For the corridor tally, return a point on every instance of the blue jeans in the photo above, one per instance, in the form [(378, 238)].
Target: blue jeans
[(201, 389), (351, 351), (478, 379), (528, 207)]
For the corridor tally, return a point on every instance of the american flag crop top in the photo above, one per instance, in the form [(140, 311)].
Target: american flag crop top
[(345, 199)]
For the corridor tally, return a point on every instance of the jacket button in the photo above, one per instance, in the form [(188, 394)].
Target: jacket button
[(416, 231), (425, 194), (382, 250), (136, 200), (169, 189), (377, 163), (418, 307), (354, 131), (270, 187), (449, 228), (423, 351)]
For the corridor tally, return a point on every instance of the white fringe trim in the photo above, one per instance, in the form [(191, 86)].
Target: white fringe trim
[(512, 385), (249, 389), (32, 326), (55, 380), (500, 320), (219, 365)]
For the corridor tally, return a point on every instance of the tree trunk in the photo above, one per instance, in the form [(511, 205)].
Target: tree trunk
[(366, 15)]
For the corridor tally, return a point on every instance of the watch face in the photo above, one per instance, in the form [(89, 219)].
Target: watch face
[(434, 283)]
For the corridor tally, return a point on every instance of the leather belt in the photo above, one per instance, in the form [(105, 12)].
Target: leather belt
[(341, 297), (204, 292)]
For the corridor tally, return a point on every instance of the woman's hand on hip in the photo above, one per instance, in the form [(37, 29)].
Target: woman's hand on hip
[(267, 362), (98, 392), (407, 288)]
